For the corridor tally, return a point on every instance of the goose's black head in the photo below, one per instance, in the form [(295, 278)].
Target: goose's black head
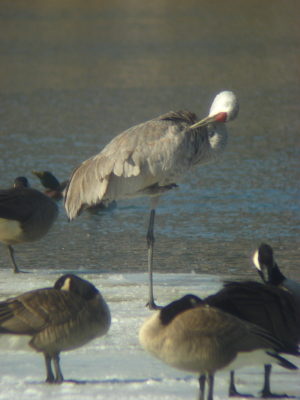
[(48, 180), (263, 258), (168, 313), (21, 181), (76, 285), (266, 255)]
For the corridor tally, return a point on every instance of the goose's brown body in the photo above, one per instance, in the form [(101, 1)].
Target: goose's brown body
[(189, 335)]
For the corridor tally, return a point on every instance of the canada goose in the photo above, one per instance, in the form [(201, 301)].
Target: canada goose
[(264, 258), (53, 188), (264, 305), (189, 335), (59, 319), (26, 215)]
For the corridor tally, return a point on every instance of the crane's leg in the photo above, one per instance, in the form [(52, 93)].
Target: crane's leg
[(58, 375), (202, 380), (232, 389), (150, 243), (50, 376), (11, 253), (266, 392)]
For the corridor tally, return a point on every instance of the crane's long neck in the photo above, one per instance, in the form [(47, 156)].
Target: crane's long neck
[(209, 143)]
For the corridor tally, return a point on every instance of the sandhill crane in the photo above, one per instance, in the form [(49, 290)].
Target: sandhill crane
[(26, 215), (148, 160)]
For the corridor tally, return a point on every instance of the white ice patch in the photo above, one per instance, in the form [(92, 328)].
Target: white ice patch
[(115, 366)]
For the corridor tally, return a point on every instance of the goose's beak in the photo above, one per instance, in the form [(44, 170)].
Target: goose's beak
[(219, 117), (36, 174), (256, 263)]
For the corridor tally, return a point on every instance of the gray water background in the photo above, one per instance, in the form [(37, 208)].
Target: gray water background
[(74, 74)]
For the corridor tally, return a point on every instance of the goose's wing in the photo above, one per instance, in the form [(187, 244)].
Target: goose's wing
[(34, 311), (267, 306), (14, 206), (20, 204)]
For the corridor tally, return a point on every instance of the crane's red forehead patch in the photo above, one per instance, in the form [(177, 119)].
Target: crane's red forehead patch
[(221, 117)]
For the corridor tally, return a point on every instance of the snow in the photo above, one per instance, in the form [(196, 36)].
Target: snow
[(115, 366)]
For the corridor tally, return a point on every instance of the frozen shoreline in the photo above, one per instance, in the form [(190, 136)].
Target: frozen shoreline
[(115, 366)]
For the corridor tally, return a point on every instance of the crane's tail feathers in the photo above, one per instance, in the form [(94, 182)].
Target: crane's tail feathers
[(86, 187)]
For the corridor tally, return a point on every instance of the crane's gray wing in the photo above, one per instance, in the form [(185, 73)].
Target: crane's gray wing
[(33, 311), (143, 153)]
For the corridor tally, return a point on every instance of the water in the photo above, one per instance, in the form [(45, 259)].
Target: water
[(75, 74)]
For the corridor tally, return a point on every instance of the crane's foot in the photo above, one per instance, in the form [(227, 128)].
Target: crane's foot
[(153, 306), (18, 271)]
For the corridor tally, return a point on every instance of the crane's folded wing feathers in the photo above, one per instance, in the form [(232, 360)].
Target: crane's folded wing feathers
[(147, 150)]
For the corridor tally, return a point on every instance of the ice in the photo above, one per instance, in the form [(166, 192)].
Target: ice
[(115, 366)]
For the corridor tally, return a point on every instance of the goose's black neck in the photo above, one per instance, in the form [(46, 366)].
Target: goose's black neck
[(275, 276), (168, 313)]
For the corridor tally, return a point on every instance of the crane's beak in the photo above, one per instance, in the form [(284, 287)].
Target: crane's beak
[(219, 117)]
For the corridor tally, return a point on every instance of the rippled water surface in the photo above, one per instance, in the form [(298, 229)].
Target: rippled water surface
[(75, 74)]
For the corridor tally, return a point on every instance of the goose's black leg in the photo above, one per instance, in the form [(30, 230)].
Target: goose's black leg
[(58, 375), (50, 376), (232, 389), (11, 253), (266, 392), (210, 382), (202, 380)]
